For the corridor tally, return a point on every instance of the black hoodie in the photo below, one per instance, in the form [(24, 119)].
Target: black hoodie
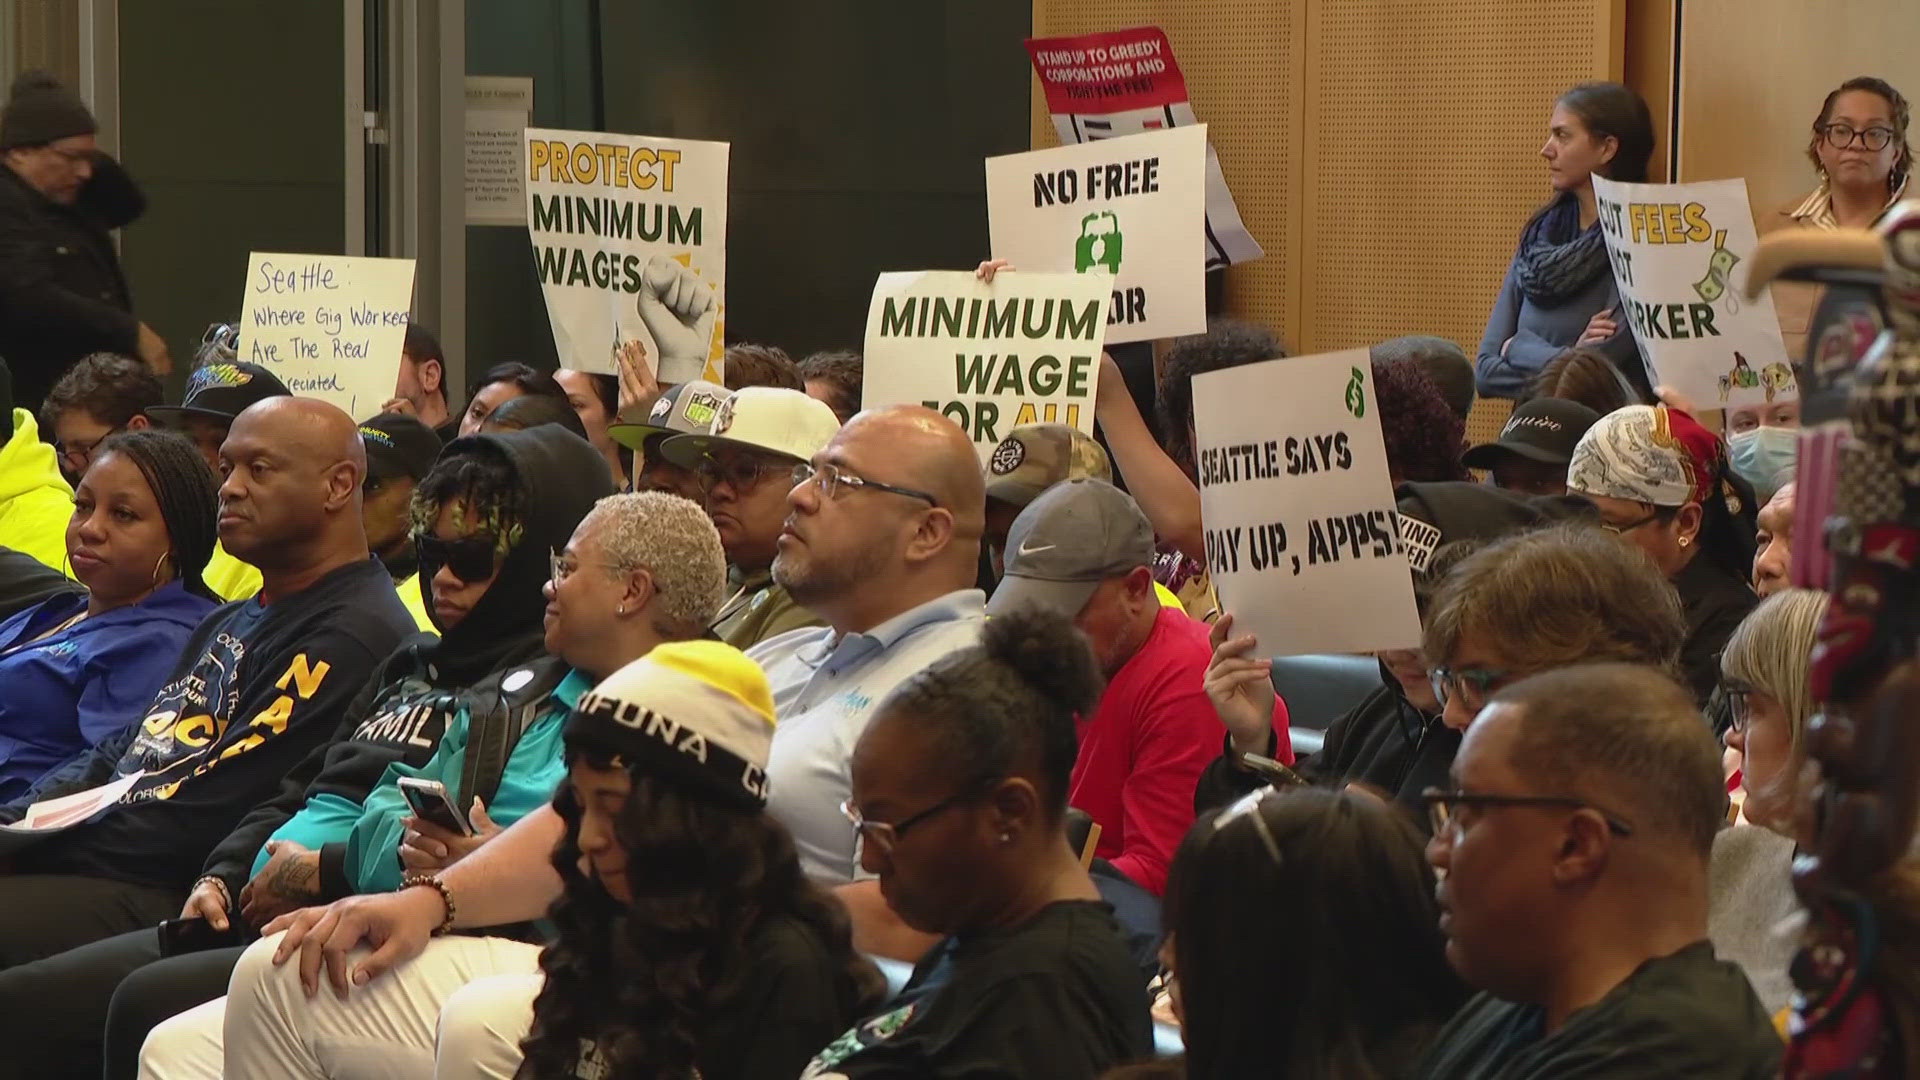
[(402, 712)]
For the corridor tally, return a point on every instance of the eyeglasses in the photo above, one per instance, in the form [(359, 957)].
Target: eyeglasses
[(223, 334), (740, 473), (1442, 812), (883, 835), (1739, 704), (1472, 684), (470, 559), (1622, 530), (833, 481), (80, 454), (1248, 806), (1840, 136)]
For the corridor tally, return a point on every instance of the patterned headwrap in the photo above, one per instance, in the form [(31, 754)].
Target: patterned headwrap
[(1647, 454)]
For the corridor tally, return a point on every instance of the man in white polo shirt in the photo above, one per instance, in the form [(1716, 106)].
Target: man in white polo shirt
[(882, 541), (745, 461)]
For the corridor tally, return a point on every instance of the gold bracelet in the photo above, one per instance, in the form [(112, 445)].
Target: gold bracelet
[(432, 881)]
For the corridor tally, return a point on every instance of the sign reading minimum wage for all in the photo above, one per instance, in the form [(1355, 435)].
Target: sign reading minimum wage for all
[(1675, 249), (1127, 206), (630, 240), (329, 326), (1302, 537), (1123, 82), (1024, 349)]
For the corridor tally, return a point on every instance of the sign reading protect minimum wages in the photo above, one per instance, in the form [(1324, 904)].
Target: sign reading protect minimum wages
[(1128, 207), (329, 326), (1675, 250), (1022, 350), (1303, 540), (630, 241)]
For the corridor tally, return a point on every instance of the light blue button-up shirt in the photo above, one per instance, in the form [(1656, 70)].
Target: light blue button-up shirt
[(825, 689)]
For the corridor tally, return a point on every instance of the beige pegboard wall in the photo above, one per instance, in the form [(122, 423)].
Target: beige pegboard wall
[(1242, 66), (1385, 153)]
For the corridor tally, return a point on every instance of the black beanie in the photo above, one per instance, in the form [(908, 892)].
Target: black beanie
[(40, 110)]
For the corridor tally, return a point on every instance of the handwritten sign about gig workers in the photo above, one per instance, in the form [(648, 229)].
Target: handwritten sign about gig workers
[(1127, 207), (1024, 349), (1302, 535), (630, 241), (329, 326), (1676, 250)]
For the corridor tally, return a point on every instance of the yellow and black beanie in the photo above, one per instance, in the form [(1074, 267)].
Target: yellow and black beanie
[(697, 710)]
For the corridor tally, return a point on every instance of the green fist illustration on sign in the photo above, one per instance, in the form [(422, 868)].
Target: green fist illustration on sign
[(1099, 245)]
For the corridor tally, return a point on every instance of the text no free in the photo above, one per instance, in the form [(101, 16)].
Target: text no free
[(1110, 180)]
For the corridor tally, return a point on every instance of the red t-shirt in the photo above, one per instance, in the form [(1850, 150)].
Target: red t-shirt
[(1143, 750)]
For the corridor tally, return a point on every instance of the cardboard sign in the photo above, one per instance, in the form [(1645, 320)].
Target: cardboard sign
[(1676, 251), (1128, 207), (1302, 536), (329, 326), (1103, 86), (1025, 349), (630, 240)]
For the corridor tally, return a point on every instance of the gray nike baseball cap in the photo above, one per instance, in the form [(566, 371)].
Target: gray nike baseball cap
[(1076, 535)]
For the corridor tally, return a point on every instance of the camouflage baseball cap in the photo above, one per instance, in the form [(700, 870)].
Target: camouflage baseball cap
[(1034, 457)]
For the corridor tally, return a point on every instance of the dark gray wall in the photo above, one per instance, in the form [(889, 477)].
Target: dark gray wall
[(858, 129), (231, 118)]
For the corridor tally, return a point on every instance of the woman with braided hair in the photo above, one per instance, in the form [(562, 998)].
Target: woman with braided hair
[(78, 669)]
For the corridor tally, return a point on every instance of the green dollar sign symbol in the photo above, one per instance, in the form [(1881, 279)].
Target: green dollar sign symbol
[(1356, 394)]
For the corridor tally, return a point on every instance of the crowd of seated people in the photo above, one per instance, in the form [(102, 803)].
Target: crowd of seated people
[(747, 729)]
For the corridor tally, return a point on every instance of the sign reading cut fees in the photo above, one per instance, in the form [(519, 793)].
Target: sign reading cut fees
[(630, 241), (1303, 540), (1675, 249), (329, 326), (1024, 349), (1128, 207)]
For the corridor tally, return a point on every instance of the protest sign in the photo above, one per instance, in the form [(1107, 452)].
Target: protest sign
[(1128, 207), (630, 241), (495, 173), (329, 326), (1103, 86), (1303, 541), (1024, 349), (1674, 249)]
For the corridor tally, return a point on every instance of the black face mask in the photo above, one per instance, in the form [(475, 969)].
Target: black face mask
[(470, 559)]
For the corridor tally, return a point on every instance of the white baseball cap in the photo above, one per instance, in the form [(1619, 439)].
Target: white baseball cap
[(768, 419)]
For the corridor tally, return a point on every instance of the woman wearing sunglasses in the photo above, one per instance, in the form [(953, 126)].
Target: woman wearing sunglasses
[(1862, 157), (1663, 485), (960, 798), (1331, 888)]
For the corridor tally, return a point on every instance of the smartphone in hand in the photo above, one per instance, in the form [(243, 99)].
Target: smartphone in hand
[(430, 802)]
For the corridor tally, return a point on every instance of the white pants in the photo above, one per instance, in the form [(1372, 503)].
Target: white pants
[(459, 1009)]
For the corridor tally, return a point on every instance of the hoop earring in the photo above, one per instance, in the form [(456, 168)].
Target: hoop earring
[(157, 563)]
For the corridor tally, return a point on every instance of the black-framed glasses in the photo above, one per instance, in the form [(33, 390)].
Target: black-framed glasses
[(79, 453), (884, 835), (1622, 530), (1840, 136), (1739, 704), (1442, 808), (470, 558), (740, 473), (1472, 684), (833, 480)]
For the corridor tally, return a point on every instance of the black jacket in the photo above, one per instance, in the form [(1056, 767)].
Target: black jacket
[(1715, 601), (403, 710), (62, 294), (1384, 743)]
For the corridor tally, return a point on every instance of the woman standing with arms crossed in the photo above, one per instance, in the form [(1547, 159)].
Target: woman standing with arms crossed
[(1559, 288)]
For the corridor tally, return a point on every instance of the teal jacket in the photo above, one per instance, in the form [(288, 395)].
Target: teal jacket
[(372, 830)]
